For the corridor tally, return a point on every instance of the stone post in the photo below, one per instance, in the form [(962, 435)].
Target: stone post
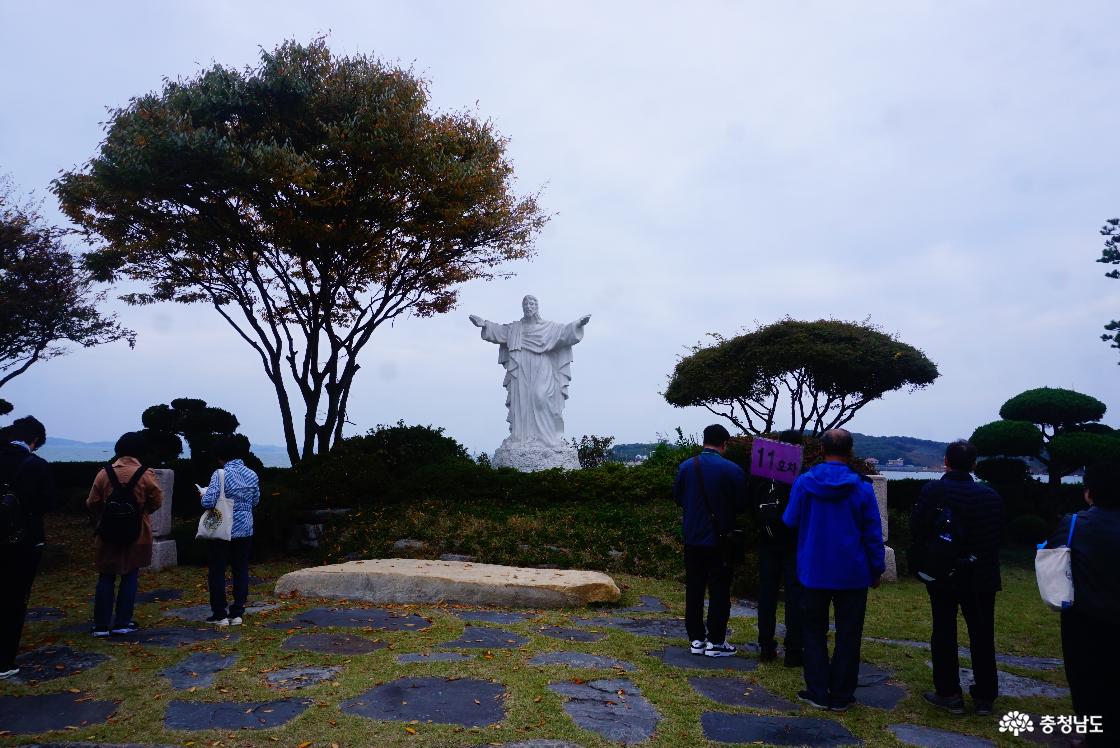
[(164, 553), (879, 482)]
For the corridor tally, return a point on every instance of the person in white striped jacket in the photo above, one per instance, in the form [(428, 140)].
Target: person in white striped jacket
[(243, 488)]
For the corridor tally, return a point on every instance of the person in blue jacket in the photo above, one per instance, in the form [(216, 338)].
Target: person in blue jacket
[(839, 555), (708, 480)]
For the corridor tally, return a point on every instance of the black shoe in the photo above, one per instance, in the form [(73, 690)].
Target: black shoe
[(952, 704), (983, 708), (767, 654), (808, 699), (843, 706), (794, 658)]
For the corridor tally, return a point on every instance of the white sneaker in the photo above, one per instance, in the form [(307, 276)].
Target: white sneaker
[(9, 673), (720, 650), (697, 646), (235, 621), (218, 621)]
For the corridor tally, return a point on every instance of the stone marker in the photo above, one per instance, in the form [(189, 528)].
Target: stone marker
[(412, 657), (492, 616), (751, 728), (197, 670), (355, 618), (468, 702), (232, 715), (174, 636), (404, 580), (739, 692), (341, 644), (164, 549), (571, 635), (23, 715), (50, 662), (484, 637), (581, 661), (931, 737), (879, 483), (681, 657), (615, 709), (296, 678)]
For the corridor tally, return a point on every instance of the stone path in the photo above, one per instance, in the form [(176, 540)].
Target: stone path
[(44, 614), (48, 663), (25, 715), (739, 692), (340, 644), (492, 616), (484, 637), (750, 728), (681, 657), (655, 627), (645, 604), (582, 661), (875, 689), (355, 618), (1016, 686), (413, 657), (159, 596), (931, 737), (174, 636), (230, 715), (1027, 663), (296, 678), (202, 612), (197, 670), (468, 702), (615, 709), (571, 635)]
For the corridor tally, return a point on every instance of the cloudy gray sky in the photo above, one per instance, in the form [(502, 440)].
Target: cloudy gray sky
[(940, 169)]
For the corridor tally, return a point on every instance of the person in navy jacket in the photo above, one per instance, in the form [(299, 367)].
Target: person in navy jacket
[(725, 486), (839, 555)]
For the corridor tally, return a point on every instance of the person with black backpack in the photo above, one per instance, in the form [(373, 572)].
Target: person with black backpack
[(956, 528), (27, 492), (124, 495)]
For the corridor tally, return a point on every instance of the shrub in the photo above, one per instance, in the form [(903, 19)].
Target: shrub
[(1028, 529), (1000, 470), (902, 495)]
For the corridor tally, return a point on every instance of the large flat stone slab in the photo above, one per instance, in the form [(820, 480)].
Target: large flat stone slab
[(468, 702), (404, 580), (296, 678), (931, 737), (50, 662), (582, 661), (485, 637), (613, 708), (739, 692), (355, 618), (231, 715), (681, 657), (340, 644), (175, 636), (751, 728), (197, 670), (24, 715)]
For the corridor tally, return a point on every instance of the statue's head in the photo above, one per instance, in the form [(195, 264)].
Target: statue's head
[(530, 307)]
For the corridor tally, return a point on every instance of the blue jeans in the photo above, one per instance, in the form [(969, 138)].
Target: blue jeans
[(832, 682), (233, 553), (125, 598)]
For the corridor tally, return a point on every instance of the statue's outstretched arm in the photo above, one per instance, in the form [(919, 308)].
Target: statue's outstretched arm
[(476, 320)]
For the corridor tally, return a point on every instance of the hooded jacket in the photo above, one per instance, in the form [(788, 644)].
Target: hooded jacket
[(839, 535)]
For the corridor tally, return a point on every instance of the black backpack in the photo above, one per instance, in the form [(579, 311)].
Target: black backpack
[(12, 528), (121, 518), (942, 550)]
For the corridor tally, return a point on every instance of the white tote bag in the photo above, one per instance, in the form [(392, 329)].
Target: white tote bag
[(1054, 571), (217, 523)]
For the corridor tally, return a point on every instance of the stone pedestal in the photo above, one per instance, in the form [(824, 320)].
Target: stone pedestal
[(530, 458), (879, 482), (164, 551)]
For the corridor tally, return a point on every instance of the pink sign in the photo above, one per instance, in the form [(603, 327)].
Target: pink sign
[(775, 460)]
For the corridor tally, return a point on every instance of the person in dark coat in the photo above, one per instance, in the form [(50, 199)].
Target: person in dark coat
[(978, 513), (1089, 643), (122, 562), (708, 480), (29, 478)]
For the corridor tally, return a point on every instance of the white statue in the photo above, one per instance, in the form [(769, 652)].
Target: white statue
[(537, 357)]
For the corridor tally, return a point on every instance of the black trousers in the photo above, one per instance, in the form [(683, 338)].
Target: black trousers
[(832, 681), (234, 553), (1092, 661), (978, 605), (19, 564), (704, 570), (777, 566)]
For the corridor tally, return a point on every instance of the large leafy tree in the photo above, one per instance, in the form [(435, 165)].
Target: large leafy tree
[(47, 299), (807, 376), (1110, 255), (309, 200)]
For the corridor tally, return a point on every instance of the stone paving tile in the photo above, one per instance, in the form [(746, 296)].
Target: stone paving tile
[(1027, 663), (24, 715), (645, 604), (413, 657), (44, 614), (1053, 739), (931, 737), (661, 628), (232, 715), (202, 612), (467, 701), (340, 644), (612, 708), (484, 637), (682, 658), (492, 616), (355, 618), (870, 675), (739, 692), (197, 670), (296, 678), (571, 635), (752, 728), (531, 744), (1016, 686), (50, 662), (98, 745), (581, 660), (174, 636), (880, 695)]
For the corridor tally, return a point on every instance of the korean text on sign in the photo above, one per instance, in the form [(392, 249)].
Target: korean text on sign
[(775, 460)]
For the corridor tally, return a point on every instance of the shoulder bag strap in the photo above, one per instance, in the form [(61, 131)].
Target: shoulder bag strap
[(704, 495), (136, 478), (113, 480), (1072, 522), (221, 483)]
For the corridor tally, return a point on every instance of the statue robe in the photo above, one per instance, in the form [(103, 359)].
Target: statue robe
[(537, 357)]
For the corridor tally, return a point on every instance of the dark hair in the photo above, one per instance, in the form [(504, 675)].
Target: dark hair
[(791, 436), (715, 435), (132, 444), (836, 443), (230, 447), (1102, 480), (961, 455), (27, 429)]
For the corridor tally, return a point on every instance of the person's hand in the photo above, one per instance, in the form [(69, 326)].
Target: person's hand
[(876, 582), (584, 320), (476, 320)]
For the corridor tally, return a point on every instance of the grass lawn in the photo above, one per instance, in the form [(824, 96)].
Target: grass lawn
[(131, 677)]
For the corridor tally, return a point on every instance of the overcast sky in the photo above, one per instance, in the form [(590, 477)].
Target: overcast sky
[(940, 169)]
